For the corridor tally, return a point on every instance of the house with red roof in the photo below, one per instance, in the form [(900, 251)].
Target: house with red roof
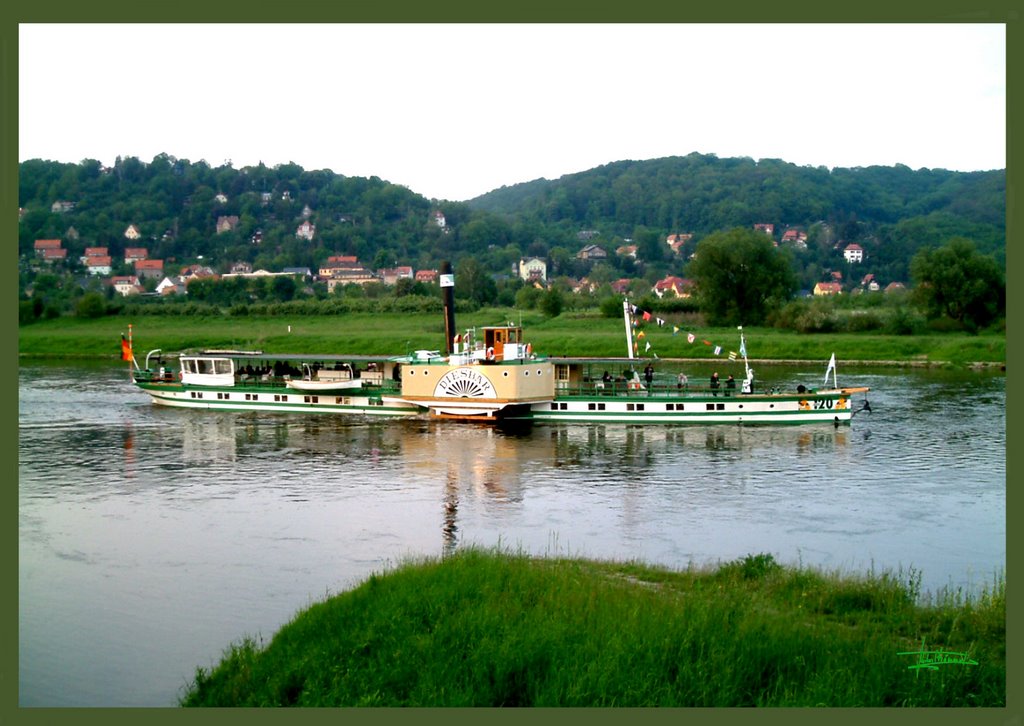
[(676, 286), (391, 275), (131, 254), (98, 264), (41, 245), (149, 268), (126, 285), (51, 254)]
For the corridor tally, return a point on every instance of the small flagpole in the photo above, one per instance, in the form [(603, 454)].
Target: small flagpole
[(629, 330), (743, 347)]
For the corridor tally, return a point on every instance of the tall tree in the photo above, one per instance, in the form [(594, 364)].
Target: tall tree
[(958, 282), (740, 276), (473, 281)]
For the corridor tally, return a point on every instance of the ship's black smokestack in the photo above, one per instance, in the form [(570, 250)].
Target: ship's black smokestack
[(447, 280)]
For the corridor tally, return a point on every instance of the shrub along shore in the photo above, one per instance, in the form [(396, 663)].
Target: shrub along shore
[(488, 628), (571, 334)]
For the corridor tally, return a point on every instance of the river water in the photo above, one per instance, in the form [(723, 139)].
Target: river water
[(150, 538)]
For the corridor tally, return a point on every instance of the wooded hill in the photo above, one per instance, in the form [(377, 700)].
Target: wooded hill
[(179, 207)]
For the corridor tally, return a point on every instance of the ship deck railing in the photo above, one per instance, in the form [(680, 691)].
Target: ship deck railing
[(643, 390)]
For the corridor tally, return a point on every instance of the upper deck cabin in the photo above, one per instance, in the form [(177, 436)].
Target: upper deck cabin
[(232, 367), (496, 344)]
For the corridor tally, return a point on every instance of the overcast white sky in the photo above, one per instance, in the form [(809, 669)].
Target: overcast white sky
[(454, 111)]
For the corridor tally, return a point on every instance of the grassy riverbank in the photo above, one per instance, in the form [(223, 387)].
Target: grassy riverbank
[(569, 334), (490, 629)]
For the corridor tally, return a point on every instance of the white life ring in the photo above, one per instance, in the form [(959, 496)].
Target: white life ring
[(490, 354)]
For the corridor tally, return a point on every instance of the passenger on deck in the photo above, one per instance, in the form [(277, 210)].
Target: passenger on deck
[(682, 381), (730, 385), (714, 383)]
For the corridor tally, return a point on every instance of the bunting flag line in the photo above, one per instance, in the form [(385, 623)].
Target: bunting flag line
[(640, 316)]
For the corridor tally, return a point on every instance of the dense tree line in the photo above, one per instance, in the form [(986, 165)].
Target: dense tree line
[(894, 213)]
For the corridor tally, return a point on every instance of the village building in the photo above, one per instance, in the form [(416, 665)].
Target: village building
[(42, 245), (226, 223), (125, 285), (533, 269), (133, 254), (92, 252), (51, 254), (339, 262), (592, 252), (354, 276), (674, 286), (149, 268), (828, 288), (98, 264), (391, 275), (676, 241)]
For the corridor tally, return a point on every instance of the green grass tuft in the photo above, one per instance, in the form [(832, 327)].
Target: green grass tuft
[(485, 628)]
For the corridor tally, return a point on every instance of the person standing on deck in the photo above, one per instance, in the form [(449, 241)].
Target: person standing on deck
[(714, 383)]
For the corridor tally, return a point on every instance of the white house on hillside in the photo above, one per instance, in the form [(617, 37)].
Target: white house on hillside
[(533, 269), (854, 252)]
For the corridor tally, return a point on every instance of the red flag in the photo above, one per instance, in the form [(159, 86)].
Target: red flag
[(647, 316), (126, 349)]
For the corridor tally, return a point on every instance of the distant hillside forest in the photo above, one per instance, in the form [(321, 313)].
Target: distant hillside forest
[(190, 211)]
